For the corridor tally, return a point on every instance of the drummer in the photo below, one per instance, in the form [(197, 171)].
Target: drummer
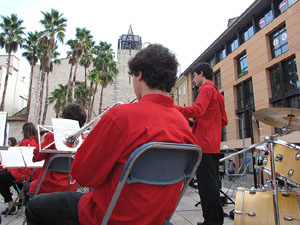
[(55, 181)]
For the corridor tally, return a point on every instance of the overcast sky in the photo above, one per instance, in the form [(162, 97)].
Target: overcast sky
[(186, 27)]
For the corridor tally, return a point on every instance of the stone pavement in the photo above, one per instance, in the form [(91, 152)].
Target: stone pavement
[(185, 214)]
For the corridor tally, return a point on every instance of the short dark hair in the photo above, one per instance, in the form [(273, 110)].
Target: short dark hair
[(205, 68), (13, 141), (29, 131), (74, 111), (158, 66)]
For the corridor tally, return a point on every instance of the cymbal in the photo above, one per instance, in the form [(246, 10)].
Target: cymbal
[(279, 117)]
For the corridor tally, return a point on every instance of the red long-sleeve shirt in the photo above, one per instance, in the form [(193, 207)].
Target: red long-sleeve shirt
[(210, 115), (19, 174), (100, 160), (53, 181)]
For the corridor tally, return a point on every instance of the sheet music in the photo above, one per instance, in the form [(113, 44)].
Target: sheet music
[(3, 123), (63, 128), (19, 157)]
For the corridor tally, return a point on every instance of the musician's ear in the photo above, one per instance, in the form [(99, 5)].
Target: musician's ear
[(140, 76)]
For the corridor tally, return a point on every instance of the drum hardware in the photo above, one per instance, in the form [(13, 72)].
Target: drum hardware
[(247, 213), (290, 218)]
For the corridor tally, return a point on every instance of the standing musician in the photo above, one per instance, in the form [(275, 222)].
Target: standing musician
[(209, 113), (100, 159), (55, 181)]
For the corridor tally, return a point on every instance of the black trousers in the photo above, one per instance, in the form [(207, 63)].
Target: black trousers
[(59, 208), (209, 189), (6, 181)]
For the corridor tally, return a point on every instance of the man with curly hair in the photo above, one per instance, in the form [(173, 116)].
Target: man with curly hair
[(100, 159)]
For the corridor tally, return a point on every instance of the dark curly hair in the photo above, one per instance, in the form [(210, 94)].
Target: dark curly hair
[(29, 130), (74, 112), (158, 66), (205, 68)]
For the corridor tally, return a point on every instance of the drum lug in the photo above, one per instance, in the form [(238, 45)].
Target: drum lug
[(279, 158), (290, 218), (291, 172), (297, 156), (265, 161), (241, 213)]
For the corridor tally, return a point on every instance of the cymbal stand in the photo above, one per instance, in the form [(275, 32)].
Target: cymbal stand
[(274, 185)]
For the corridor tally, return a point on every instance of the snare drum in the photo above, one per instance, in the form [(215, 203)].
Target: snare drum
[(287, 161), (257, 208)]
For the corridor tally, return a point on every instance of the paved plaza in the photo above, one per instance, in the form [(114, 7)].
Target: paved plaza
[(186, 213)]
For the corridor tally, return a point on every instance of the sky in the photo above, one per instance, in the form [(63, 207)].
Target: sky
[(186, 27)]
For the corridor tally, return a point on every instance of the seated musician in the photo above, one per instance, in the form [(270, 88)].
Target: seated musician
[(9, 176), (56, 181), (100, 159)]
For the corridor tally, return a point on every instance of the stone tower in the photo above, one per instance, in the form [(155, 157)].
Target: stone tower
[(122, 90)]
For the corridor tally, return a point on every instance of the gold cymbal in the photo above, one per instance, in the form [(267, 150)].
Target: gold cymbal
[(279, 117)]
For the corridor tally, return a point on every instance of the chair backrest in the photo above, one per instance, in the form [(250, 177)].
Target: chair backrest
[(244, 165), (158, 163), (59, 163)]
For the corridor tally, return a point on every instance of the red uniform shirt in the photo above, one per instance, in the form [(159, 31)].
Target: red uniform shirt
[(209, 113), (100, 160), (53, 181), (19, 174)]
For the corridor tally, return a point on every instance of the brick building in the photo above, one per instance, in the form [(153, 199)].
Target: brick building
[(255, 63)]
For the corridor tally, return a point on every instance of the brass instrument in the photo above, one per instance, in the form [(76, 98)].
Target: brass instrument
[(72, 140)]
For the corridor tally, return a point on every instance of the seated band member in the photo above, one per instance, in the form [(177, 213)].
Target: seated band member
[(56, 181), (9, 176), (100, 159)]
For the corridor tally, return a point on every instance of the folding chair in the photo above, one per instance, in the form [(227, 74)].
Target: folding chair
[(158, 163), (237, 177), (59, 163)]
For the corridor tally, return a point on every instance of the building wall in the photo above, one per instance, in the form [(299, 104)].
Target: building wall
[(120, 90), (260, 60), (17, 87)]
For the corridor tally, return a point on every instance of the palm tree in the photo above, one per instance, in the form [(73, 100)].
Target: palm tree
[(107, 67), (31, 54), (54, 25), (82, 41), (93, 76), (58, 97), (87, 58), (82, 94), (11, 37)]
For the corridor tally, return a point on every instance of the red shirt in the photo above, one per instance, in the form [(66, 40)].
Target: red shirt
[(19, 174), (53, 181), (209, 113), (100, 160)]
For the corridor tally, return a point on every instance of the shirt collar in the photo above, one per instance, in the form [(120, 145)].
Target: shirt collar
[(159, 99), (206, 83)]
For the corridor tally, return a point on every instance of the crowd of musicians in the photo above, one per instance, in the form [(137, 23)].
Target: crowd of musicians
[(100, 159)]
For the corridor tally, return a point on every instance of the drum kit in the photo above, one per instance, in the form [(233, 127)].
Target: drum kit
[(278, 200)]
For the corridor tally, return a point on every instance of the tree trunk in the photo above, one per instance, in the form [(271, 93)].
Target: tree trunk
[(101, 98), (90, 102), (41, 97), (68, 85), (93, 100), (5, 83), (74, 83), (46, 100), (29, 94)]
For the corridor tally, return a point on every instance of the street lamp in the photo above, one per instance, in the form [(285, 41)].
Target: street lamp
[(243, 132)]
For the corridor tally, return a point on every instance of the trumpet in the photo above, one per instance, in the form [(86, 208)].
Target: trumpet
[(72, 140)]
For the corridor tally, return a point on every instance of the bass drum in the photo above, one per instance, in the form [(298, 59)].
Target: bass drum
[(257, 208)]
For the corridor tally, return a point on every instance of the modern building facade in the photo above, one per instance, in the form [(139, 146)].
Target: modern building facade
[(255, 63)]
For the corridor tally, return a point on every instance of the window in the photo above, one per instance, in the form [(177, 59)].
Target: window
[(179, 92), (245, 106), (285, 84), (264, 19), (248, 33), (234, 45), (217, 80), (284, 5), (184, 89), (242, 65), (221, 54), (224, 131), (279, 42)]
